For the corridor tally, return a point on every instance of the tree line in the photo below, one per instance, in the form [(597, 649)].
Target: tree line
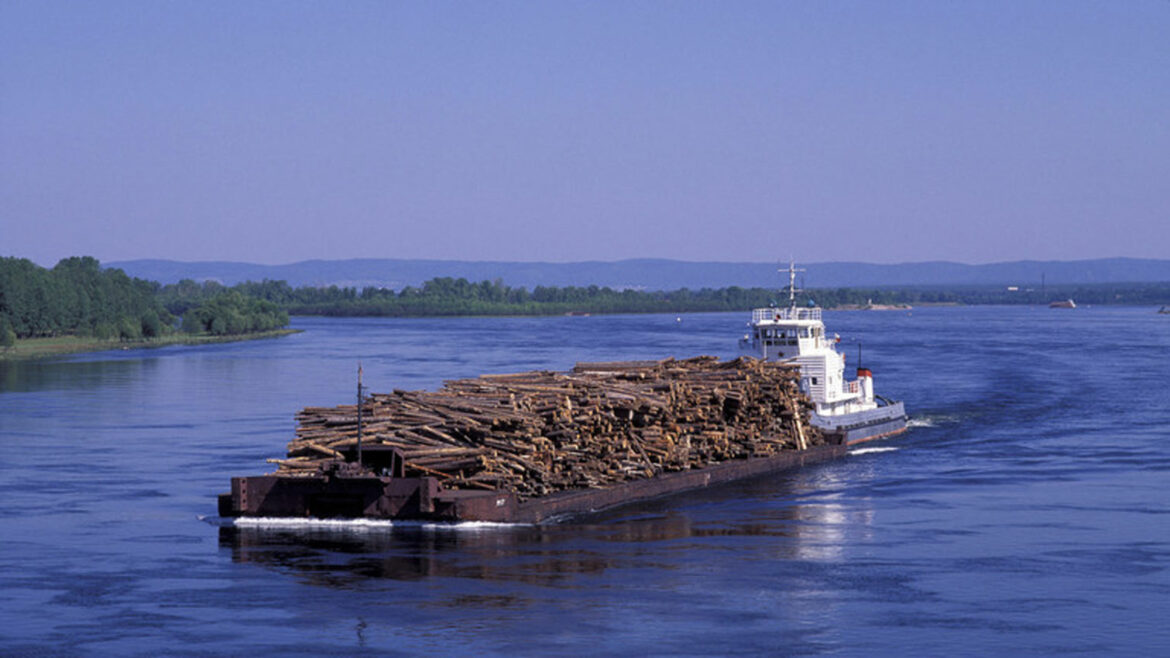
[(78, 297), (446, 296), (1100, 294), (232, 313)]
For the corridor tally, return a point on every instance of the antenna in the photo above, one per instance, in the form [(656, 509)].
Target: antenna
[(359, 414), (792, 289)]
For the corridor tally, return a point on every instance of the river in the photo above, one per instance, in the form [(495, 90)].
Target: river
[(1026, 511)]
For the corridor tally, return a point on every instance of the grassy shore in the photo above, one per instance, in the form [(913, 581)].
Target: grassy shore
[(37, 348)]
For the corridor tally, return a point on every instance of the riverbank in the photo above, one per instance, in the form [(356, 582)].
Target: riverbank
[(872, 307), (39, 348)]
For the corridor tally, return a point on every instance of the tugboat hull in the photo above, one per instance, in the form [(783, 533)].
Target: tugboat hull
[(864, 425)]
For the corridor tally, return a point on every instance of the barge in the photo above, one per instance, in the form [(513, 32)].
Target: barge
[(359, 493), (539, 446)]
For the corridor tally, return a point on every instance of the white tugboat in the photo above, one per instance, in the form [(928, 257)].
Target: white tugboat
[(848, 410)]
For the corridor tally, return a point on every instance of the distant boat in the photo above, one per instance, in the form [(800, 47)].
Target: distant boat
[(1068, 303), (1165, 310)]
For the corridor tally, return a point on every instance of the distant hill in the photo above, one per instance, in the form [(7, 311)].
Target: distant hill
[(655, 274)]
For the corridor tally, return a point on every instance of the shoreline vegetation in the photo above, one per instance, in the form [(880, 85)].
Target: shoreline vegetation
[(77, 306), (459, 297), (39, 348)]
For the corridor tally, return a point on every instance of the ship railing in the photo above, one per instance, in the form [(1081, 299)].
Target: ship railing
[(775, 314)]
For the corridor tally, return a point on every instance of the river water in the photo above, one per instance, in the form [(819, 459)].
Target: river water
[(1026, 511)]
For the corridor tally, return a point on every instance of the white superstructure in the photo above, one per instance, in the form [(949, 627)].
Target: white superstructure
[(797, 335)]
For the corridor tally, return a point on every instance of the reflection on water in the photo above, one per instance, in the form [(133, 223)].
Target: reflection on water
[(791, 518), (70, 375)]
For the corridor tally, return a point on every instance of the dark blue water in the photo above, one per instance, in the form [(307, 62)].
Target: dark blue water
[(1027, 511)]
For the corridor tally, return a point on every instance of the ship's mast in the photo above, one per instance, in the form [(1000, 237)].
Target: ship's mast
[(792, 270)]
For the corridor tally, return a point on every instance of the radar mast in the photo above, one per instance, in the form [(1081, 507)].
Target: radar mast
[(792, 290)]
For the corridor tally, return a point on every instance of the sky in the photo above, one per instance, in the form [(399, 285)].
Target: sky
[(274, 132)]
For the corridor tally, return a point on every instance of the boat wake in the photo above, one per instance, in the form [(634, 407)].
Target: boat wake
[(924, 421), (871, 450), (352, 525)]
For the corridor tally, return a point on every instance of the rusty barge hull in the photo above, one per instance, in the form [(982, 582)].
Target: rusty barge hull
[(368, 496)]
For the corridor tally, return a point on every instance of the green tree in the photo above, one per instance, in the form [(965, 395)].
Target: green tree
[(7, 335), (232, 313), (235, 322), (128, 329), (74, 297), (151, 325)]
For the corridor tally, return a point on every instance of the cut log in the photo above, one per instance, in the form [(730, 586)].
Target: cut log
[(539, 432)]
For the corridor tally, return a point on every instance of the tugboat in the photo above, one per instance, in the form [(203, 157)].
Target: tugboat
[(847, 410)]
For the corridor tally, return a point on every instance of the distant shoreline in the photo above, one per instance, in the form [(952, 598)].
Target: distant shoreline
[(872, 307), (655, 274), (40, 348)]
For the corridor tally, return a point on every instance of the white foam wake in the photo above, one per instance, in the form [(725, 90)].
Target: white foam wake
[(866, 451), (351, 525)]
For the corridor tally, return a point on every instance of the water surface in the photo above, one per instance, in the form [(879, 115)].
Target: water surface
[(1025, 511)]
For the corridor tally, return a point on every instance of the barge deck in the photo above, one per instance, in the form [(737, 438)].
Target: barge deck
[(364, 495)]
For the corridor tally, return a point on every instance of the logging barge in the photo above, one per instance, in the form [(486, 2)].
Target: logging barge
[(849, 410), (350, 491), (540, 446)]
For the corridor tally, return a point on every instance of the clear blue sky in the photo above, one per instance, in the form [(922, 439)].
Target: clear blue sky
[(273, 132)]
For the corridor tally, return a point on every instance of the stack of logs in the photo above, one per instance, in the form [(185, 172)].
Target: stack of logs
[(535, 433)]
